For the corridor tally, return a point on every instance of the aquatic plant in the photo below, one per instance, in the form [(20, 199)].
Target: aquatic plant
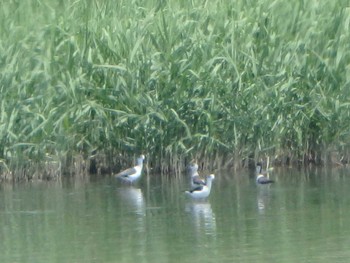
[(85, 83)]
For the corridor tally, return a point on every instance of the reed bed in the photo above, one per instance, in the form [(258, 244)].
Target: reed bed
[(86, 84)]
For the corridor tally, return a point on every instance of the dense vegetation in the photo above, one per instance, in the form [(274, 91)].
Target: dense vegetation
[(85, 84)]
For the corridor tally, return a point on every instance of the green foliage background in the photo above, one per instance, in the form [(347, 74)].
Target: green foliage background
[(220, 81)]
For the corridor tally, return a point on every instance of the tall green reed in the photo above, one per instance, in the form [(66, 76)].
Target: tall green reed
[(85, 83)]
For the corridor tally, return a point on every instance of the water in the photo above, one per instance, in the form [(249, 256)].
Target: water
[(303, 217)]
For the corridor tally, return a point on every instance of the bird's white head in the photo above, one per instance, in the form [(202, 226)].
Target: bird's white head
[(211, 176), (140, 159), (192, 167), (258, 168)]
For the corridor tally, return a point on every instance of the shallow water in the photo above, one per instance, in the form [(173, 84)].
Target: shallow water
[(303, 217)]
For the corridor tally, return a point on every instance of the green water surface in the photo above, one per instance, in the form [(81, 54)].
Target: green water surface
[(303, 217)]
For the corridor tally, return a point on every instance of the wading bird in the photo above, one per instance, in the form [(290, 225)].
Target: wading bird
[(202, 191), (260, 175), (196, 180), (132, 174)]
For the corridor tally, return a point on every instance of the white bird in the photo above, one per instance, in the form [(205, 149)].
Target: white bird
[(260, 177), (202, 191), (196, 180), (132, 174)]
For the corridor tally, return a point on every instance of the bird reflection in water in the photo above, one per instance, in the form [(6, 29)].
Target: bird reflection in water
[(203, 217), (131, 223), (133, 201), (263, 198)]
